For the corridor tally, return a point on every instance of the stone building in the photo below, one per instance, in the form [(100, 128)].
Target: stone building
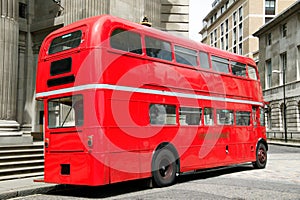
[(231, 23), (279, 68), (23, 26)]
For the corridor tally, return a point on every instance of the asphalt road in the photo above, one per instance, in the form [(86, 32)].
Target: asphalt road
[(280, 180)]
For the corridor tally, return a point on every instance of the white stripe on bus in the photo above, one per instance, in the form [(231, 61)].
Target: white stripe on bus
[(145, 91)]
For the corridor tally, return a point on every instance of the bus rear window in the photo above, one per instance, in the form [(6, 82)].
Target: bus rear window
[(65, 42), (65, 112)]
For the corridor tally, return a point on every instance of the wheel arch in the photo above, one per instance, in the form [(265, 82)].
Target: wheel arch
[(263, 141)]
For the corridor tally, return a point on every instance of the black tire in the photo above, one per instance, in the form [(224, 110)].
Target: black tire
[(261, 157), (164, 168)]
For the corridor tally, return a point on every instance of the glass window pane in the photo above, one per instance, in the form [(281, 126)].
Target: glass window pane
[(224, 117), (126, 41), (65, 112), (262, 116), (186, 56), (220, 64), (204, 60), (190, 116), (242, 118), (65, 42), (238, 69), (208, 116), (252, 73), (158, 49), (162, 114)]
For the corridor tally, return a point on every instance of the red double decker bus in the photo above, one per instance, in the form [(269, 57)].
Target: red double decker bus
[(124, 101)]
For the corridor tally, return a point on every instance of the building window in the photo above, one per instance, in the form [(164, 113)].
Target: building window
[(234, 49), (283, 65), (22, 10), (234, 19), (226, 42), (240, 32), (241, 49), (222, 43), (269, 39), (222, 9), (241, 13), (270, 7), (222, 29), (283, 30), (234, 36), (211, 39), (269, 74), (226, 25)]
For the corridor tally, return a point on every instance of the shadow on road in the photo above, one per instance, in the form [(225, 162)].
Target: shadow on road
[(114, 190)]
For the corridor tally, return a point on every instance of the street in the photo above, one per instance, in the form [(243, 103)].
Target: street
[(280, 180)]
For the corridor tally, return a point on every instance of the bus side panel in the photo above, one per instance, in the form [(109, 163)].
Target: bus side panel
[(75, 169)]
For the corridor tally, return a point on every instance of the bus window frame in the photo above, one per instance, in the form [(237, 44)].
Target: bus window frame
[(82, 45)]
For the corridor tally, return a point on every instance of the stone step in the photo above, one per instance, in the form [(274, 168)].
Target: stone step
[(18, 176), (19, 161), (19, 169), (25, 162), (19, 152), (21, 157)]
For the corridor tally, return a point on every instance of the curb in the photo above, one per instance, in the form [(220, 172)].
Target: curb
[(29, 191)]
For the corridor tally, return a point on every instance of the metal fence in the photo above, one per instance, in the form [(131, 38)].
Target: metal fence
[(280, 135)]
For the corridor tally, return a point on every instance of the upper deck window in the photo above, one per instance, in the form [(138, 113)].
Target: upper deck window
[(204, 60), (65, 42), (220, 64), (252, 72), (186, 56), (126, 41), (158, 49), (238, 69)]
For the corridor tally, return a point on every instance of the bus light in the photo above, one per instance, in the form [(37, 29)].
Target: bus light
[(90, 141), (46, 142)]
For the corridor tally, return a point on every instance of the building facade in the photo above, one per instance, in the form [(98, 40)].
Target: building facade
[(279, 68), (231, 23), (23, 26)]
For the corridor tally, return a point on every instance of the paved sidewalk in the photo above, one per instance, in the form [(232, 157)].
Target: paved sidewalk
[(24, 187), (27, 186)]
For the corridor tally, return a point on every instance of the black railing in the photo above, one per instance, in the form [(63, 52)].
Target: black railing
[(290, 136)]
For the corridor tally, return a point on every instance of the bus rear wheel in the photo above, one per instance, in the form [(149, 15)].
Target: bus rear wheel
[(164, 168), (261, 157)]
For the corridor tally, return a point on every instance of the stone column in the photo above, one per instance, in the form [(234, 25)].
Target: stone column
[(80, 9), (9, 32)]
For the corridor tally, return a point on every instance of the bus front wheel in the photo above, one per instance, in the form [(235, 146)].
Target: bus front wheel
[(261, 157), (164, 168)]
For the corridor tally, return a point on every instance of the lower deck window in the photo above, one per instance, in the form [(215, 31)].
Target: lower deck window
[(208, 116), (65, 112), (225, 117), (162, 114), (242, 118), (190, 116)]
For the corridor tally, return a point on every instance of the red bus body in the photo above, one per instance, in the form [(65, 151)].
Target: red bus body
[(116, 136)]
